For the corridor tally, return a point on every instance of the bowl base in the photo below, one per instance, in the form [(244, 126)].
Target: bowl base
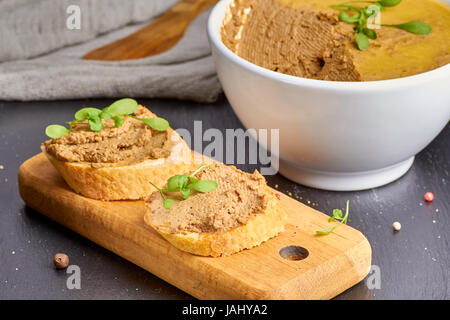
[(338, 181)]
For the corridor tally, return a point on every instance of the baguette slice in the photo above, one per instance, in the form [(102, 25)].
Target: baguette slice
[(125, 182), (261, 226)]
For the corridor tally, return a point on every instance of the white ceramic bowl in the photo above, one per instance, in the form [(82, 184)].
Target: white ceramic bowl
[(335, 135)]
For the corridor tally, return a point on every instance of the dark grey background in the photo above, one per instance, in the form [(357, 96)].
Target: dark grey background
[(414, 263)]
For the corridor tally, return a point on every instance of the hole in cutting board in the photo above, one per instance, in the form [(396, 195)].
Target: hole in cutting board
[(294, 253)]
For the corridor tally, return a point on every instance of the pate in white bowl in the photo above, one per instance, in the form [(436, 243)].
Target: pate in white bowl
[(335, 135)]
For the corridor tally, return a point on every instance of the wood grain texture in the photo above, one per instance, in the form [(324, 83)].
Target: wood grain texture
[(157, 37), (335, 262)]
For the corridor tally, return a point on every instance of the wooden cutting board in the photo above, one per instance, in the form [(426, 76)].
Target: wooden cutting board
[(157, 37), (335, 262)]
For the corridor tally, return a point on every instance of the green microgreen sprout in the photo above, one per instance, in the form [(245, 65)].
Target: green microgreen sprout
[(359, 16), (336, 216), (167, 202), (117, 111), (185, 184)]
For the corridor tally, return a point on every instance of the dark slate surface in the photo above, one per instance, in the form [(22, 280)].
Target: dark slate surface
[(414, 263)]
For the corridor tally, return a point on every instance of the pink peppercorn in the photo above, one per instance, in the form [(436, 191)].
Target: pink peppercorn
[(429, 196)]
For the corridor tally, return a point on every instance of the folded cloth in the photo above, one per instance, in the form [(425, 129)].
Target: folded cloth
[(40, 57)]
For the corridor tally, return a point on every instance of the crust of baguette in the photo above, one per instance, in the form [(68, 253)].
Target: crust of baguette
[(260, 228), (126, 182)]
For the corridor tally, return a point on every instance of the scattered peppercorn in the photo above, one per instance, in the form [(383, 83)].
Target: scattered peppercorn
[(61, 261), (397, 226), (429, 196)]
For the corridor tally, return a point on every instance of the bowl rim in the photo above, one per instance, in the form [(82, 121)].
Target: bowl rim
[(214, 25)]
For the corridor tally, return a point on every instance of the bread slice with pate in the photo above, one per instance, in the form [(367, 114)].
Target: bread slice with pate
[(117, 163), (241, 213)]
